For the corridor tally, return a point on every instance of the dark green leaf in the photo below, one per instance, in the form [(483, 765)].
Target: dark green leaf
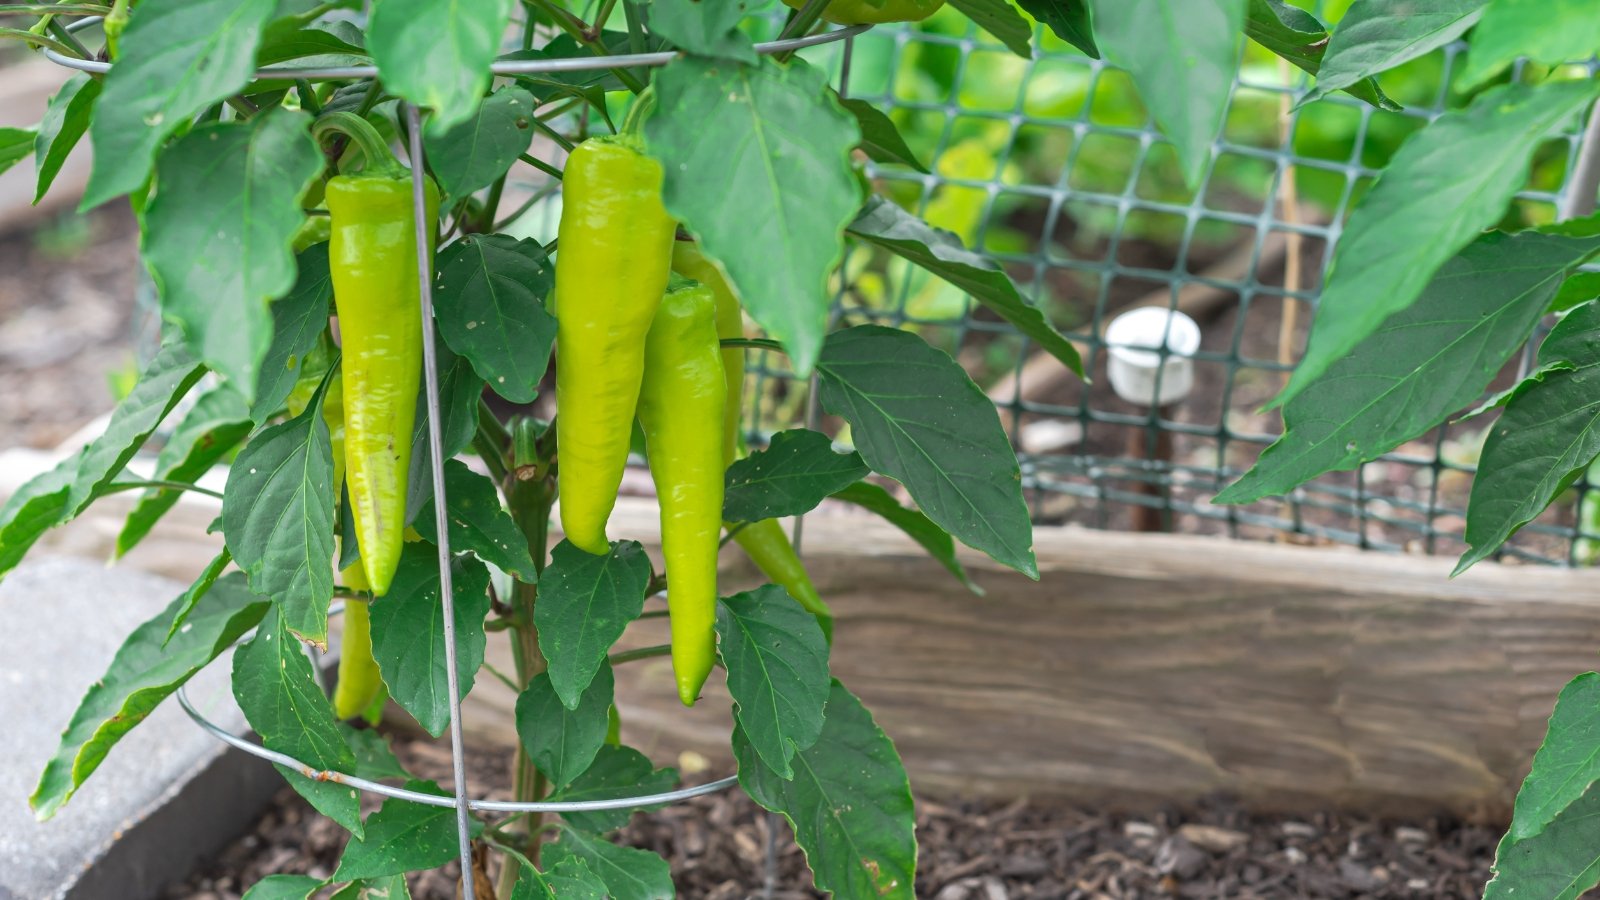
[(705, 28), (1547, 31), (437, 55), (408, 632), (478, 524), (36, 507), (589, 85), (849, 803), (298, 320), (16, 145), (389, 887), (1560, 863), (585, 603), (1377, 35), (178, 57), (284, 887), (1002, 20), (472, 154), (217, 236), (789, 478), (490, 308), (917, 526), (616, 772), (1567, 763), (1444, 186), (880, 140), (628, 873), (885, 224), (757, 162), (571, 880), (403, 837), (374, 759), (140, 676), (916, 417), (214, 426), (190, 598), (1182, 55), (1425, 363), (563, 742), (777, 660), (1578, 289), (64, 123), (459, 390), (1069, 19), (1298, 37), (278, 521), (333, 45)]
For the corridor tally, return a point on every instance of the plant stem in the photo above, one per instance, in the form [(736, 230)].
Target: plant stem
[(641, 653), (800, 24), (544, 128), (117, 486), (67, 37), (579, 30), (541, 165)]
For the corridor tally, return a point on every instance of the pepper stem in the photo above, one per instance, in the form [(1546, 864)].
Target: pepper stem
[(642, 107), (374, 150)]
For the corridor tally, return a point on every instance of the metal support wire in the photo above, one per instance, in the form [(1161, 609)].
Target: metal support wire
[(1584, 182)]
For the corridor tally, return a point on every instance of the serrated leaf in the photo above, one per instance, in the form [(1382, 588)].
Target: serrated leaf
[(938, 542), (1444, 185), (190, 598), (884, 224), (705, 28), (65, 120), (284, 887), (161, 385), (777, 661), (1567, 763), (473, 153), (1298, 37), (403, 836), (214, 426), (298, 319), (916, 417), (1377, 35), (1545, 438), (178, 57), (437, 55), (1002, 20), (616, 772), (277, 520), (1182, 55), (478, 524), (585, 603), (628, 873), (563, 742), (276, 688), (1069, 19), (408, 632), (1425, 362), (459, 391), (795, 472), (490, 308), (36, 507), (1560, 863), (849, 803), (1547, 31), (141, 675), (757, 163), (880, 140)]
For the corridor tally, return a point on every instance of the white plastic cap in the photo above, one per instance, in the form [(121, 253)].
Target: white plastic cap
[(1134, 341)]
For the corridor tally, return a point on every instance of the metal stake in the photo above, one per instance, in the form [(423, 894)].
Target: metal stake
[(1585, 178)]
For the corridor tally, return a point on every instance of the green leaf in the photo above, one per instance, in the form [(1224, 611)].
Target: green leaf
[(616, 772), (849, 803), (917, 526), (64, 123), (1298, 37), (374, 758), (1377, 35), (585, 603), (1547, 31), (1567, 763), (437, 55), (140, 676), (880, 140), (408, 632), (218, 234), (917, 417), (161, 385), (757, 162), (478, 524), (1182, 55), (563, 742), (472, 154), (628, 873), (278, 692), (1444, 186), (1425, 362), (882, 223), (278, 521), (333, 45), (490, 308), (178, 57), (1002, 20), (215, 425), (571, 880), (190, 598), (1069, 19), (705, 28), (588, 85), (459, 390), (1547, 436), (796, 471), (298, 319), (1560, 863), (36, 507), (284, 887), (403, 836), (389, 887), (777, 660), (1577, 290), (16, 145)]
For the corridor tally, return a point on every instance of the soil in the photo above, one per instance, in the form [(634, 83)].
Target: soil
[(970, 850)]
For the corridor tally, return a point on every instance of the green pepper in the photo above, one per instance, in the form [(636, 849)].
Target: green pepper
[(874, 12), (683, 391), (372, 254), (359, 682), (768, 547), (615, 251)]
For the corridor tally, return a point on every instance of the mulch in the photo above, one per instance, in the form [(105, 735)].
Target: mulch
[(970, 850)]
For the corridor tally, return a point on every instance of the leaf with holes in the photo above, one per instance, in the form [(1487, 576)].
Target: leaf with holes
[(473, 153), (478, 524)]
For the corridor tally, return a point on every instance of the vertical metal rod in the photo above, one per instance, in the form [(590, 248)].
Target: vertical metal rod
[(430, 372), (1585, 179)]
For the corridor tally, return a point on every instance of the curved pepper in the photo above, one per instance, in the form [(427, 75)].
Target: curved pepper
[(372, 253), (768, 547), (683, 390), (359, 682), (615, 242), (869, 12)]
